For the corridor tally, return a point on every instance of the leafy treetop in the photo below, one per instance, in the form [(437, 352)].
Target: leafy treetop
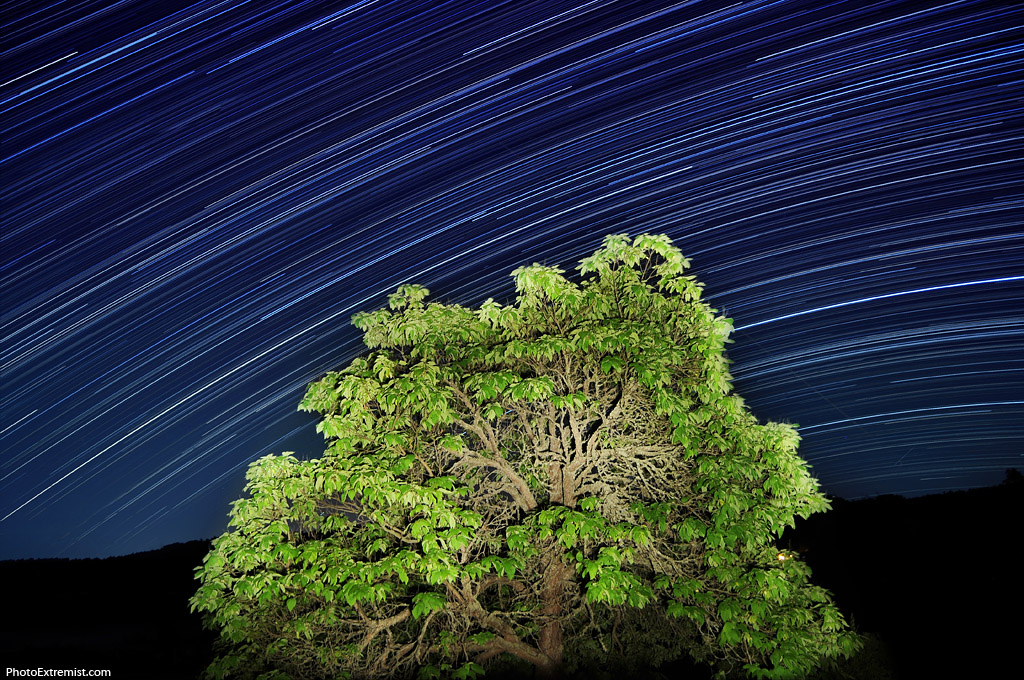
[(562, 483)]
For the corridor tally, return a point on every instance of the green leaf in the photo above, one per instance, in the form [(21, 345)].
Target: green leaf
[(691, 528), (611, 363), (429, 672), (426, 602), (356, 591), (468, 671), (493, 411), (731, 633)]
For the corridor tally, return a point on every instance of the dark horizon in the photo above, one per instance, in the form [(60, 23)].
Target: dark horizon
[(886, 560), (198, 197)]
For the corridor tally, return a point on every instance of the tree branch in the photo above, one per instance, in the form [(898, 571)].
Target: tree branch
[(524, 497)]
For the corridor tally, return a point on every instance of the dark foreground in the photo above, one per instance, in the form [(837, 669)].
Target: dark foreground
[(929, 581)]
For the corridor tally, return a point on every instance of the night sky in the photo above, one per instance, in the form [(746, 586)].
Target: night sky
[(197, 197)]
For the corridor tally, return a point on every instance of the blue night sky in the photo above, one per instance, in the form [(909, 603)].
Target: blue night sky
[(197, 197)]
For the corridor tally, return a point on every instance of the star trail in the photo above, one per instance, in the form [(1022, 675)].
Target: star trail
[(197, 197)]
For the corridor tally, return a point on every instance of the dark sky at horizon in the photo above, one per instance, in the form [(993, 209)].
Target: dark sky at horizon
[(197, 197)]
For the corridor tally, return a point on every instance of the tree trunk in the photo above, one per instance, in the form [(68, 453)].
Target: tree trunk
[(550, 642)]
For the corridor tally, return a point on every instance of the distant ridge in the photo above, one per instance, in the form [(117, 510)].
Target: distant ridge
[(933, 576)]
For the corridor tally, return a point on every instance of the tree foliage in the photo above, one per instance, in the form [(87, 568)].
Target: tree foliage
[(564, 481)]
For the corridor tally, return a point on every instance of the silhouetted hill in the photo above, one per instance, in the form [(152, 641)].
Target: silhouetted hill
[(930, 579), (934, 577), (129, 614)]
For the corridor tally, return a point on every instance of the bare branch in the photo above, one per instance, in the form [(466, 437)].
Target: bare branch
[(520, 490)]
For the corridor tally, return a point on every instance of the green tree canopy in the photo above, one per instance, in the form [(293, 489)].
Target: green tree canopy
[(561, 483)]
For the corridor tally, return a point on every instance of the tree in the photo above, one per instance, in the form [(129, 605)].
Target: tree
[(564, 482)]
